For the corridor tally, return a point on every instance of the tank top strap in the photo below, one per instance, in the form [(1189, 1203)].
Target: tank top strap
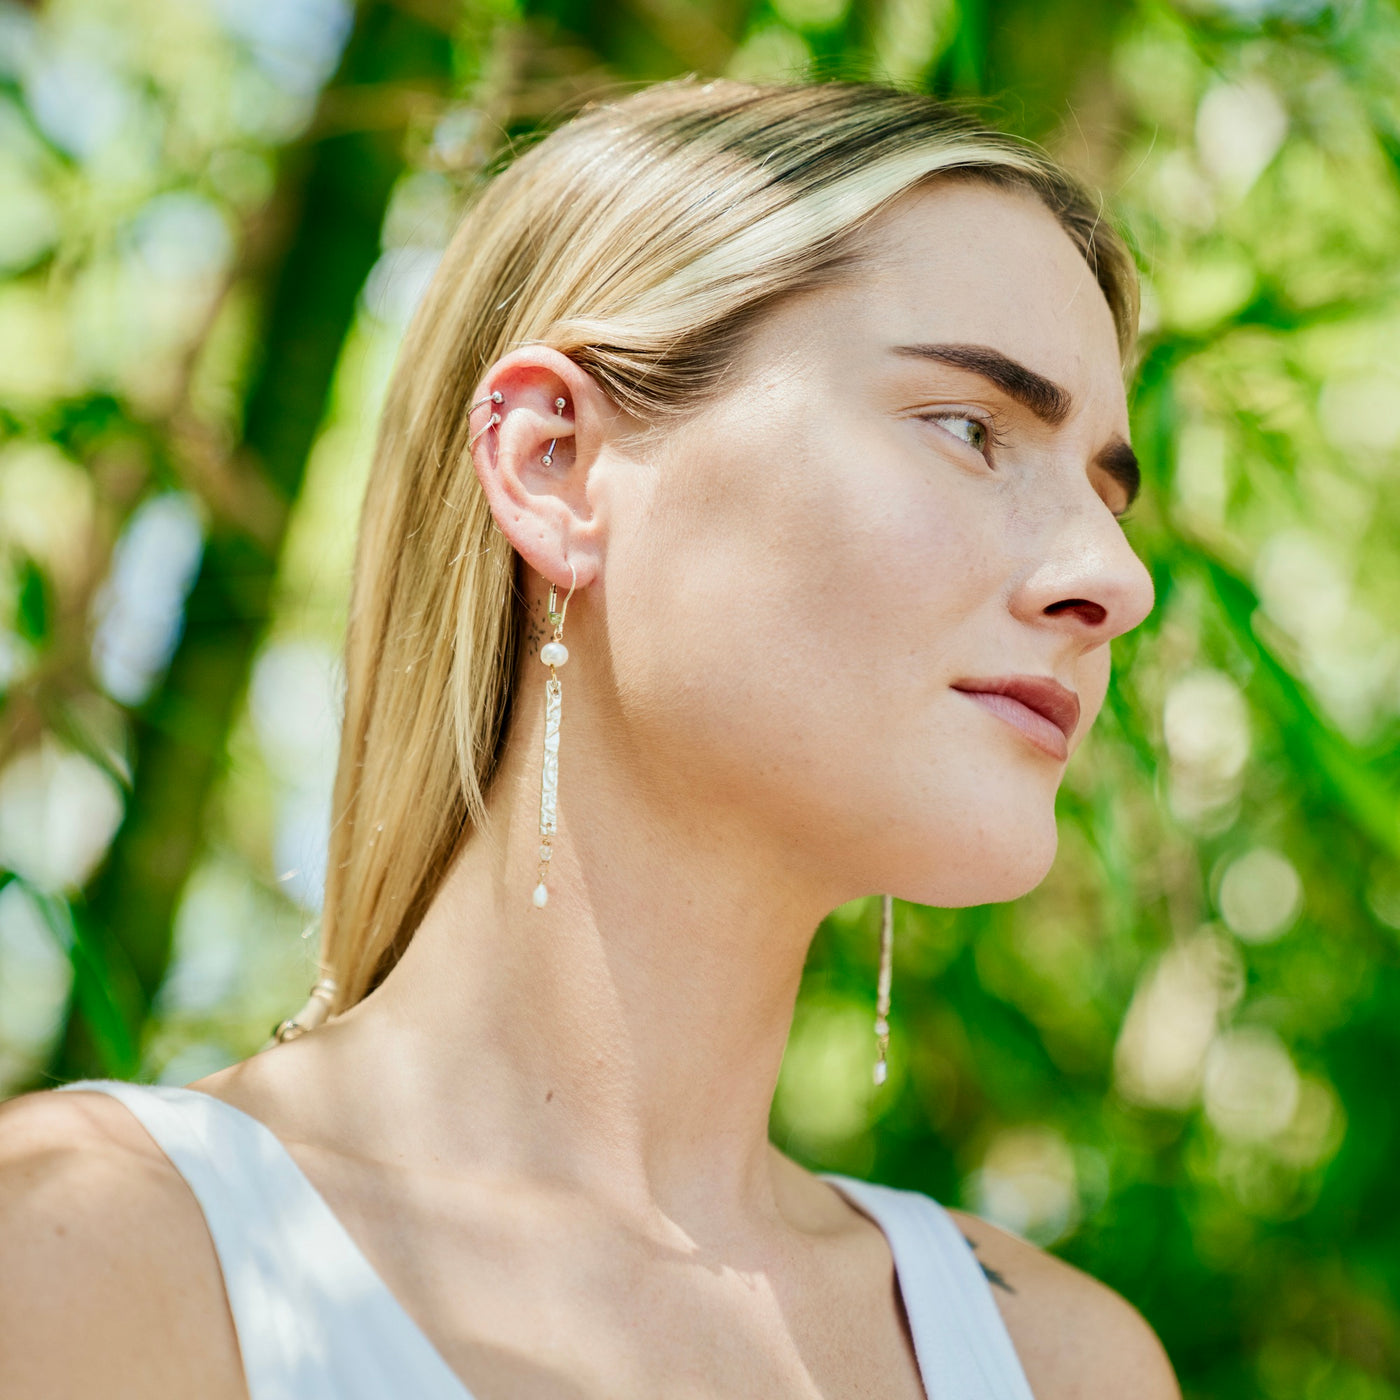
[(960, 1340), (314, 1320)]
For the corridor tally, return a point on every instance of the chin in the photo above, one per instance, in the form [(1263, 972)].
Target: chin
[(990, 864)]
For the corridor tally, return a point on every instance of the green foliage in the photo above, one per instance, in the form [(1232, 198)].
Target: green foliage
[(32, 612), (1170, 1063)]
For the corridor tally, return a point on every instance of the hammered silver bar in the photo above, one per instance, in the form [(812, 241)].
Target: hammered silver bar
[(549, 775)]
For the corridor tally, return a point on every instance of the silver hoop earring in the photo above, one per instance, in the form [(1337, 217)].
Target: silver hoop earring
[(554, 654), (882, 989), (495, 397)]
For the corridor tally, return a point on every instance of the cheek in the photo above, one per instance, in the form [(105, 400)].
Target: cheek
[(730, 596), (788, 618), (733, 673)]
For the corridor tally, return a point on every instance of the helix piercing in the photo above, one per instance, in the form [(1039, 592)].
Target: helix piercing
[(494, 397), (548, 458)]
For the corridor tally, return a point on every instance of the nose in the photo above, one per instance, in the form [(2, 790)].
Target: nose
[(1085, 576)]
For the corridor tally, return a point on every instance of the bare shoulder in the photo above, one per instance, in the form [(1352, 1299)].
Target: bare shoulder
[(1077, 1338), (109, 1283)]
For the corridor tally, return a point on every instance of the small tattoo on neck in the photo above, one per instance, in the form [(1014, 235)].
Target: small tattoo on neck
[(536, 631)]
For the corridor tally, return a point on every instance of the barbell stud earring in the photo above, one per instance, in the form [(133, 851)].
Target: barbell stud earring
[(548, 458)]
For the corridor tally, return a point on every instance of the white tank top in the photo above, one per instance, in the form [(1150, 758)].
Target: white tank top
[(315, 1322)]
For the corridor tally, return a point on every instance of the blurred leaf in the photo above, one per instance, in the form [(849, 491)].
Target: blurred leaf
[(32, 611), (95, 976)]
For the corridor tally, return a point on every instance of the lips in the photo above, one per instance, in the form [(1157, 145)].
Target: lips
[(1044, 710)]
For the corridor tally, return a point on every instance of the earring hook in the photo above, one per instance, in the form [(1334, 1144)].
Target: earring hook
[(557, 618)]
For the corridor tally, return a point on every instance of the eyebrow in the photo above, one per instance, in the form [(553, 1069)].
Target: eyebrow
[(1046, 399)]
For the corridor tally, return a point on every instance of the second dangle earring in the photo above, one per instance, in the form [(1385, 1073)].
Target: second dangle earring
[(882, 989), (554, 654)]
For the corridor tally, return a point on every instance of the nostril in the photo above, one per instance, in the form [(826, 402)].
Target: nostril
[(1092, 613)]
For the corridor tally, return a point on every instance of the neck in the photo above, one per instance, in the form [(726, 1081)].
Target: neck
[(626, 1038)]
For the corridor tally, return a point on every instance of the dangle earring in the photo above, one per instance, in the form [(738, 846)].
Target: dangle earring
[(493, 421), (554, 654), (882, 989)]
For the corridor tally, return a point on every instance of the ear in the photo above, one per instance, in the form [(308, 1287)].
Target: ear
[(543, 507)]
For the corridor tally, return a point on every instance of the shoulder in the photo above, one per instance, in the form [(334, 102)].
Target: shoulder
[(110, 1284), (1077, 1338)]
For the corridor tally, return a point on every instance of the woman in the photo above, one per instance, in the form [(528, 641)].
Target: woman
[(795, 417)]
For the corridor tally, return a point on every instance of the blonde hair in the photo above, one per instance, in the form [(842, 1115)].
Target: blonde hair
[(642, 239)]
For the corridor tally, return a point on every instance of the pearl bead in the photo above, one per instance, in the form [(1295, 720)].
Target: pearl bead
[(880, 1072), (541, 895), (554, 653)]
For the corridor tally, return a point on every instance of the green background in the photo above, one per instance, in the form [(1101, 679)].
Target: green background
[(1175, 1062)]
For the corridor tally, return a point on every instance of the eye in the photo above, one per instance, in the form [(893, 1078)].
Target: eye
[(977, 433)]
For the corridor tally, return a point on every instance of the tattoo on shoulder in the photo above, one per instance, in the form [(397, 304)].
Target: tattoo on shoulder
[(994, 1276)]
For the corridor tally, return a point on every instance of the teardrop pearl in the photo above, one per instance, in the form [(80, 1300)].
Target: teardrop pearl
[(541, 895), (554, 653)]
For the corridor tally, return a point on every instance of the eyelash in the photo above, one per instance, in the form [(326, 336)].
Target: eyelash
[(990, 423)]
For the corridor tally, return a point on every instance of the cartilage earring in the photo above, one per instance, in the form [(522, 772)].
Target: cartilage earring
[(495, 397), (554, 654), (548, 458), (882, 989)]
